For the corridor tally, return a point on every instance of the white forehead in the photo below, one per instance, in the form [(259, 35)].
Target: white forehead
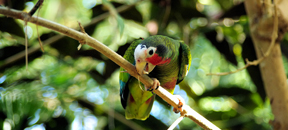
[(140, 52)]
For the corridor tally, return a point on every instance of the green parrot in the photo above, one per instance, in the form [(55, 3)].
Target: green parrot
[(165, 60)]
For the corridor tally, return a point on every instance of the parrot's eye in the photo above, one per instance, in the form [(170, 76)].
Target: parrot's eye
[(151, 51)]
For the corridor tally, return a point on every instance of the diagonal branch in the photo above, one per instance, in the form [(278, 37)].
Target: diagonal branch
[(53, 39), (165, 95)]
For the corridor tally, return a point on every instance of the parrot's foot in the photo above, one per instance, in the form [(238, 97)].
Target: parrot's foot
[(180, 105), (155, 85)]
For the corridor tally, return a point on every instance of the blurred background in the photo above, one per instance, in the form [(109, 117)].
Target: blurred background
[(64, 88)]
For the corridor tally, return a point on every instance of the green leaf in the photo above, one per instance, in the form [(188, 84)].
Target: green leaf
[(114, 13), (120, 22), (132, 13)]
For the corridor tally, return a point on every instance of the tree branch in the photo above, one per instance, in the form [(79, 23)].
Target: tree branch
[(262, 19), (53, 39), (165, 95), (176, 123), (36, 7)]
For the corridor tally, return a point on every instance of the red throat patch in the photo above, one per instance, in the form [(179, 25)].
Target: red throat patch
[(157, 60), (148, 101), (131, 98), (170, 85)]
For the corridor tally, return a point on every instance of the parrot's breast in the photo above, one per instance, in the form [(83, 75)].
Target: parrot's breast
[(167, 74), (170, 85)]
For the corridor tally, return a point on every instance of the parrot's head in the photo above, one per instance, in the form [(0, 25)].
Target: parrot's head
[(151, 52)]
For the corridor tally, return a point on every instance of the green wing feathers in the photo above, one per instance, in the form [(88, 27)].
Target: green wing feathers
[(185, 61)]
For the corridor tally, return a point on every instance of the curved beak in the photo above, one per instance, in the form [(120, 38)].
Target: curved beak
[(144, 67), (140, 66)]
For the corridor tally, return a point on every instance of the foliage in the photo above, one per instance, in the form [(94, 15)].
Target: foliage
[(64, 88)]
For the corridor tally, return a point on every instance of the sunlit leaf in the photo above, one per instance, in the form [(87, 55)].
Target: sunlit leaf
[(114, 13), (120, 24)]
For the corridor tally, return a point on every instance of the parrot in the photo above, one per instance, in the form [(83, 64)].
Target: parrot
[(165, 60)]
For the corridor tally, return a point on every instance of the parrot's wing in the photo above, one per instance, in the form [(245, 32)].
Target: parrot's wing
[(185, 61), (124, 76)]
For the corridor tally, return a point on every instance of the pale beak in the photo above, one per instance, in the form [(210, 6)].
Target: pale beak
[(144, 67)]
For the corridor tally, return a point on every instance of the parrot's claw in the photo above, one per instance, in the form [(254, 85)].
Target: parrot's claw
[(180, 105), (155, 85)]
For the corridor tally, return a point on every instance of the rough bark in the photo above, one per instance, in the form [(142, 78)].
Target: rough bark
[(261, 15)]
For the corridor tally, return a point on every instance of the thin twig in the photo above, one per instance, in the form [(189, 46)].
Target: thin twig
[(83, 31), (176, 123), (256, 62), (35, 8), (165, 95), (40, 42)]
